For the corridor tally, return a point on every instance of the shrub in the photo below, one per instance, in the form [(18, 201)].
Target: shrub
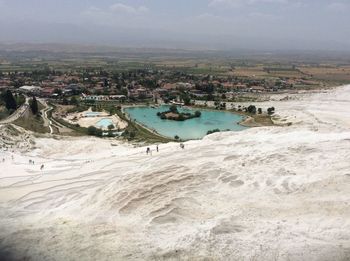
[(34, 106), (20, 99), (213, 131), (93, 131), (132, 134), (271, 110), (251, 109), (197, 114), (10, 101), (173, 109), (112, 110), (74, 101), (65, 101), (187, 100)]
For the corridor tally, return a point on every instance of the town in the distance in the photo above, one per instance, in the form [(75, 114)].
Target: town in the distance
[(92, 93)]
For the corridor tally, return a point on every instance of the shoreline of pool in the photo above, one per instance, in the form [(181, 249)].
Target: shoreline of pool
[(193, 108), (155, 132)]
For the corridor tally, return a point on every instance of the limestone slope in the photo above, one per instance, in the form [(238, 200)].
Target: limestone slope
[(276, 193)]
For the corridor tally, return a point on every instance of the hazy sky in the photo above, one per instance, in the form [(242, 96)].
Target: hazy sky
[(258, 24)]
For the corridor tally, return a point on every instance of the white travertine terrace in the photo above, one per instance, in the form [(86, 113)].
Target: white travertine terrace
[(272, 193)]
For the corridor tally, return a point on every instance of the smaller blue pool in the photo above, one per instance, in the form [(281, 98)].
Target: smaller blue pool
[(92, 114), (104, 123)]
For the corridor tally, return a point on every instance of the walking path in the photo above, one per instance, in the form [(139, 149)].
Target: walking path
[(47, 121)]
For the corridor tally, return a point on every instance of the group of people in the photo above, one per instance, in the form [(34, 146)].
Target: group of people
[(149, 151), (31, 162)]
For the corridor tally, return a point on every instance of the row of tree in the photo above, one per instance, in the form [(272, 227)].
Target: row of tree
[(12, 102), (252, 109), (33, 103)]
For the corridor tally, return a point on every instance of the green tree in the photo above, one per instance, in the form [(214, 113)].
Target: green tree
[(186, 99), (271, 110), (58, 91), (93, 131), (18, 83), (181, 117), (173, 109), (34, 106), (65, 101), (132, 135), (20, 99), (197, 114), (10, 101), (74, 101), (112, 110), (251, 109)]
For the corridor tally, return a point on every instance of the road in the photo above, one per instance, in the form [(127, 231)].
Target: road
[(47, 121)]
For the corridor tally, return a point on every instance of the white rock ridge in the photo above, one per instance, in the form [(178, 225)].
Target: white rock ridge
[(274, 193)]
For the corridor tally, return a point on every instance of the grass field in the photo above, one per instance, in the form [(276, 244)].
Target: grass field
[(3, 112), (257, 71), (31, 122), (329, 72)]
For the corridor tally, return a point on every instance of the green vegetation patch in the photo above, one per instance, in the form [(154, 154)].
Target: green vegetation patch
[(32, 122), (135, 132), (175, 115)]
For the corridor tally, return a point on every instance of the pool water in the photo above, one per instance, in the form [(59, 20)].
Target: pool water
[(104, 123), (195, 128), (92, 114)]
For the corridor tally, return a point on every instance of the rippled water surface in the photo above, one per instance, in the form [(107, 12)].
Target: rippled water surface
[(195, 128)]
